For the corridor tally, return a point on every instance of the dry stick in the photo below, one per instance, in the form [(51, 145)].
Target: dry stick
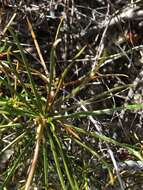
[(8, 24), (129, 13), (95, 68), (37, 48), (100, 49), (35, 157)]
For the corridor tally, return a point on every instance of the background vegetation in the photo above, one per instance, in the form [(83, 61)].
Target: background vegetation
[(71, 95)]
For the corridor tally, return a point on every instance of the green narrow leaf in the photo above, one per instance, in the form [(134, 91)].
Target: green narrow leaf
[(14, 167), (53, 57), (59, 27), (52, 66), (123, 145), (89, 149), (56, 161), (22, 111), (11, 125), (106, 94), (22, 84), (25, 62), (46, 164), (52, 73), (18, 77), (69, 175), (65, 72), (99, 112), (79, 53), (112, 141)]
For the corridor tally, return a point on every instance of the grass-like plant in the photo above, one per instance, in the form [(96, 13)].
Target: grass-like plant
[(47, 149)]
